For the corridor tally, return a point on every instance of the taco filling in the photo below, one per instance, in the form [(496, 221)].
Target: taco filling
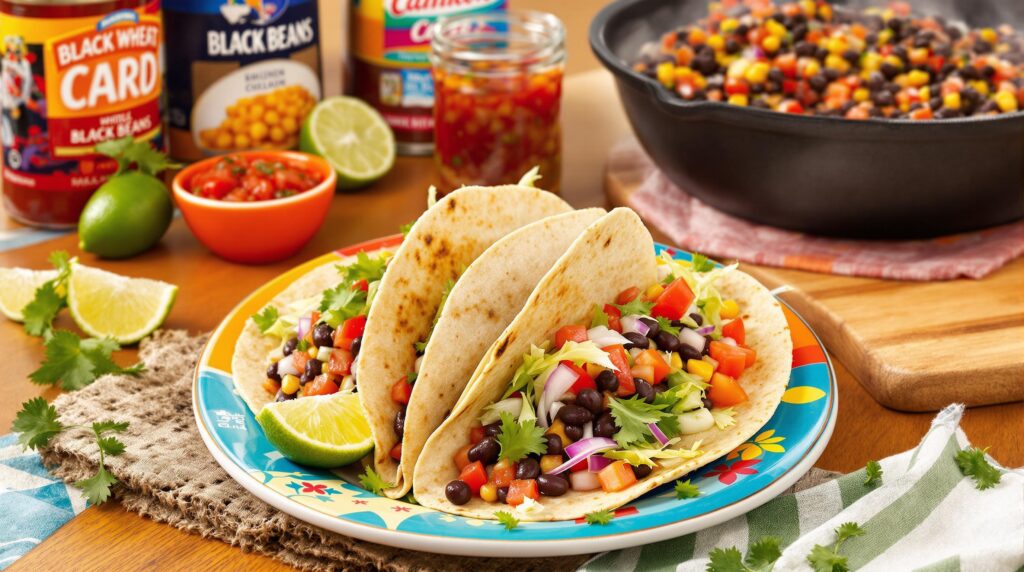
[(600, 405), (321, 336)]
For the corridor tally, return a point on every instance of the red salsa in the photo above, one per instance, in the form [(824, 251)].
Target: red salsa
[(241, 178)]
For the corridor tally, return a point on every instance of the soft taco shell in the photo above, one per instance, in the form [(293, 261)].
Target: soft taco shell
[(615, 253), (444, 241), (487, 296)]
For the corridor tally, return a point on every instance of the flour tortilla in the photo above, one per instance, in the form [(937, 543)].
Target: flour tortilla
[(442, 243), (613, 254)]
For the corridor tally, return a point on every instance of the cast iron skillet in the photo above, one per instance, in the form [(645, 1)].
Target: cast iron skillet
[(822, 175)]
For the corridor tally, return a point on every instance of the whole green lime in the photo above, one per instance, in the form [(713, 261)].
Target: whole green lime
[(126, 216)]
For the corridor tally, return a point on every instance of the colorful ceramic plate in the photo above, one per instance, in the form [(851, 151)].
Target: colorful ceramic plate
[(760, 469)]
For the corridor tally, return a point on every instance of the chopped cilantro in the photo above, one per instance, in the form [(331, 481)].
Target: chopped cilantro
[(636, 306), (632, 416), (701, 263), (666, 326), (341, 303), (373, 482), (75, 363), (686, 490), (599, 318), (828, 558), (364, 268), (265, 319), (405, 228), (518, 440), (599, 517), (973, 464), (874, 473), (49, 298), (506, 519), (760, 558)]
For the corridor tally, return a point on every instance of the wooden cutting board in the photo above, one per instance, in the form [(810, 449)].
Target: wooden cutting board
[(915, 346)]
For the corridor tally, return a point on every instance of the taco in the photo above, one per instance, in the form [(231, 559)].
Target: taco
[(623, 371)]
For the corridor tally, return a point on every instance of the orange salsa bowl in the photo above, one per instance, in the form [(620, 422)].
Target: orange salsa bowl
[(254, 222)]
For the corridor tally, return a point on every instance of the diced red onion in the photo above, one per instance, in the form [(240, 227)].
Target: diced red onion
[(584, 481), (597, 462), (705, 330), (729, 341), (604, 337), (583, 449), (302, 328), (658, 433), (692, 338), (286, 366), (557, 383), (634, 324)]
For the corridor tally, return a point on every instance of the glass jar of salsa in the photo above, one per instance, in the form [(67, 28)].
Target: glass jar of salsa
[(497, 90)]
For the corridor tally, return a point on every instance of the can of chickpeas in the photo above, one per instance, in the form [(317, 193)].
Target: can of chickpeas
[(241, 74)]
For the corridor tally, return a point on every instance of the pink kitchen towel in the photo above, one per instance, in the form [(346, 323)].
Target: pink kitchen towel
[(696, 226)]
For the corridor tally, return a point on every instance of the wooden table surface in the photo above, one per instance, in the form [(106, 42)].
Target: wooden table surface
[(108, 537)]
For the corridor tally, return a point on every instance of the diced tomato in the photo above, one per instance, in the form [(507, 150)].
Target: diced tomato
[(396, 452), (520, 490), (300, 359), (323, 384), (361, 284), (734, 86), (583, 465), (215, 188), (401, 391), (476, 434), (503, 473), (340, 362), (474, 475), (750, 354), (674, 301), (462, 457), (736, 331), (620, 359), (584, 380), (613, 314), (271, 386), (351, 329), (656, 362), (627, 295), (616, 476), (731, 360), (572, 332), (725, 391), (644, 372)]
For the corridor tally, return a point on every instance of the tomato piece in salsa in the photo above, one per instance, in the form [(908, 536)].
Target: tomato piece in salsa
[(240, 178)]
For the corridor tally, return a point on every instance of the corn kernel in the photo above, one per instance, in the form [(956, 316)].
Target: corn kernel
[(242, 141), (675, 363), (277, 134), (989, 35), (716, 42), (700, 368), (775, 28), (272, 117), (925, 93), (666, 74), (258, 131), (811, 69), (808, 7), (885, 36), (593, 370), (981, 86), (290, 125), (894, 61), (682, 73), (489, 492), (951, 100), (861, 94), (549, 463), (771, 44), (836, 45), (728, 25), (1006, 101), (757, 73), (917, 78), (290, 384), (653, 291), (739, 99), (836, 62), (223, 140), (730, 309)]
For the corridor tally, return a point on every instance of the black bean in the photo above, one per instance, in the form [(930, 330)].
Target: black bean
[(323, 335), (493, 429), (554, 444), (486, 451), (697, 318), (707, 345), (652, 326), (528, 468), (552, 485), (805, 49), (666, 342), (575, 415), (282, 396), (889, 70), (272, 372), (607, 381), (457, 492), (852, 56), (314, 367), (604, 426), (399, 424), (642, 471), (935, 102), (591, 400), (290, 346), (635, 341), (688, 352), (356, 344), (644, 389), (574, 432), (502, 494)]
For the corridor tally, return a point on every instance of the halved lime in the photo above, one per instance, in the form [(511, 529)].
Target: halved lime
[(352, 137), (320, 431), (17, 288), (105, 304)]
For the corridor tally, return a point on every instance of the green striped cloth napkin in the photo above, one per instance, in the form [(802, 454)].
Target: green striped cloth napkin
[(925, 516)]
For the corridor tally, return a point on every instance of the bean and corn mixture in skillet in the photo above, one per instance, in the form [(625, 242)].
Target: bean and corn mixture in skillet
[(811, 58)]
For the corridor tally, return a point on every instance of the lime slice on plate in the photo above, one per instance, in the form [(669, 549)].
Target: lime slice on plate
[(320, 431), (17, 288), (105, 304), (352, 137)]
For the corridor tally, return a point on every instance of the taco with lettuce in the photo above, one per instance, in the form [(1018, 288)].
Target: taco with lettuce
[(623, 371)]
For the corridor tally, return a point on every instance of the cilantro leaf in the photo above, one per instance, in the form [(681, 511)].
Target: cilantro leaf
[(874, 473), (75, 363), (420, 347), (666, 326), (341, 303), (824, 559), (36, 423), (599, 318), (599, 517), (632, 416), (44, 307), (110, 445), (726, 560), (364, 268), (848, 530), (701, 263), (506, 518), (686, 490), (518, 440), (763, 553), (636, 306), (127, 152), (102, 427), (97, 487), (265, 319), (373, 482), (973, 464), (405, 228)]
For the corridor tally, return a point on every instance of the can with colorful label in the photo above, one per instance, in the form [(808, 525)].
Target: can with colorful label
[(74, 73), (241, 74), (391, 65)]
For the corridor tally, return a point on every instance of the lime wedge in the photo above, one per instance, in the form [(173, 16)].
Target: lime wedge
[(352, 137), (320, 431), (18, 287), (105, 304)]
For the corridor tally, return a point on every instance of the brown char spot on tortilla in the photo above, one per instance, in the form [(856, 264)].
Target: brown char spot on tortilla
[(428, 238), (608, 242), (451, 204), (491, 314), (504, 344)]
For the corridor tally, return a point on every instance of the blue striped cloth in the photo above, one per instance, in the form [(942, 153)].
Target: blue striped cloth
[(33, 503)]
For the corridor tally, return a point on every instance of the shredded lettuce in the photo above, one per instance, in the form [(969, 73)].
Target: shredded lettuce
[(724, 418), (647, 455), (493, 411), (530, 178), (537, 361)]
